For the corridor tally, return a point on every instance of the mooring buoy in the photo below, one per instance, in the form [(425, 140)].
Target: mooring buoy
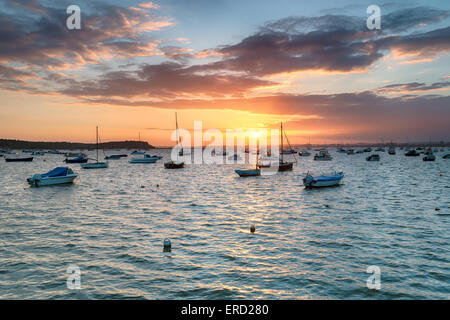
[(252, 229), (167, 245)]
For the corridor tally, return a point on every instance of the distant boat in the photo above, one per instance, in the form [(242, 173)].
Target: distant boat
[(38, 153), (373, 157), (323, 155), (138, 152), (177, 164), (79, 159), (60, 175), (429, 157), (341, 150), (304, 153), (350, 151), (309, 181), (146, 159), (284, 165), (368, 149), (359, 151), (380, 149), (116, 156), (391, 151), (29, 159), (447, 156), (412, 153), (95, 165)]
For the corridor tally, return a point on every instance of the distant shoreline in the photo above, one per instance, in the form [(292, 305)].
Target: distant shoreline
[(40, 145)]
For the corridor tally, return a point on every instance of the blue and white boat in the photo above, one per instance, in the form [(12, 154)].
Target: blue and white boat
[(321, 181), (60, 175), (146, 159), (248, 173)]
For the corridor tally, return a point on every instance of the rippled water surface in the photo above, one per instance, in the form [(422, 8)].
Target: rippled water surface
[(309, 244)]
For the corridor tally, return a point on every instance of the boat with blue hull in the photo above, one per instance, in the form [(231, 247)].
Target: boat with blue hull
[(248, 173), (322, 181)]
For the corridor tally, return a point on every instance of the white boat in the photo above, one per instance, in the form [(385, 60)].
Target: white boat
[(429, 157), (321, 181), (323, 155), (146, 159), (60, 175), (95, 165)]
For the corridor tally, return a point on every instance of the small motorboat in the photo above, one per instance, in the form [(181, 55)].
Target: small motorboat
[(350, 152), (323, 155), (285, 166), (174, 165), (429, 157), (60, 175), (373, 157), (29, 159), (248, 173), (380, 149), (359, 151), (330, 180), (304, 153), (146, 159), (447, 156), (79, 159), (368, 149), (38, 153), (341, 150), (116, 156), (391, 151), (412, 153)]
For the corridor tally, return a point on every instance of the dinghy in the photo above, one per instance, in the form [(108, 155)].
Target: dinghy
[(429, 157), (95, 165), (447, 156), (248, 173), (29, 159), (177, 164), (310, 181), (391, 151), (60, 175), (304, 153), (373, 157)]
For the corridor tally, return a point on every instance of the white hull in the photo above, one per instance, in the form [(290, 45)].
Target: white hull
[(54, 180), (322, 181)]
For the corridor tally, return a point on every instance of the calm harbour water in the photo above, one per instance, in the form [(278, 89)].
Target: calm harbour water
[(309, 244)]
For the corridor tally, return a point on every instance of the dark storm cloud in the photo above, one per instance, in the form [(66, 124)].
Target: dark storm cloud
[(37, 35), (166, 80)]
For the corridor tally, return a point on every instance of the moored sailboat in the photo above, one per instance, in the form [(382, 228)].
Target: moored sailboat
[(177, 164), (97, 164)]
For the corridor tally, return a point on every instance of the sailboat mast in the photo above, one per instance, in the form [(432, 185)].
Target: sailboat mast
[(96, 130), (281, 137)]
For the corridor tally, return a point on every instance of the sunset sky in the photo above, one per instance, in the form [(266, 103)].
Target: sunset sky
[(232, 64)]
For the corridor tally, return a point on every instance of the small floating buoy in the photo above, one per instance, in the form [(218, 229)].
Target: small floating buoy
[(440, 175), (157, 185), (252, 229), (142, 187), (167, 245)]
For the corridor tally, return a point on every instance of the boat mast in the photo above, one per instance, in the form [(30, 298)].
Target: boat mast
[(281, 138), (96, 129)]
